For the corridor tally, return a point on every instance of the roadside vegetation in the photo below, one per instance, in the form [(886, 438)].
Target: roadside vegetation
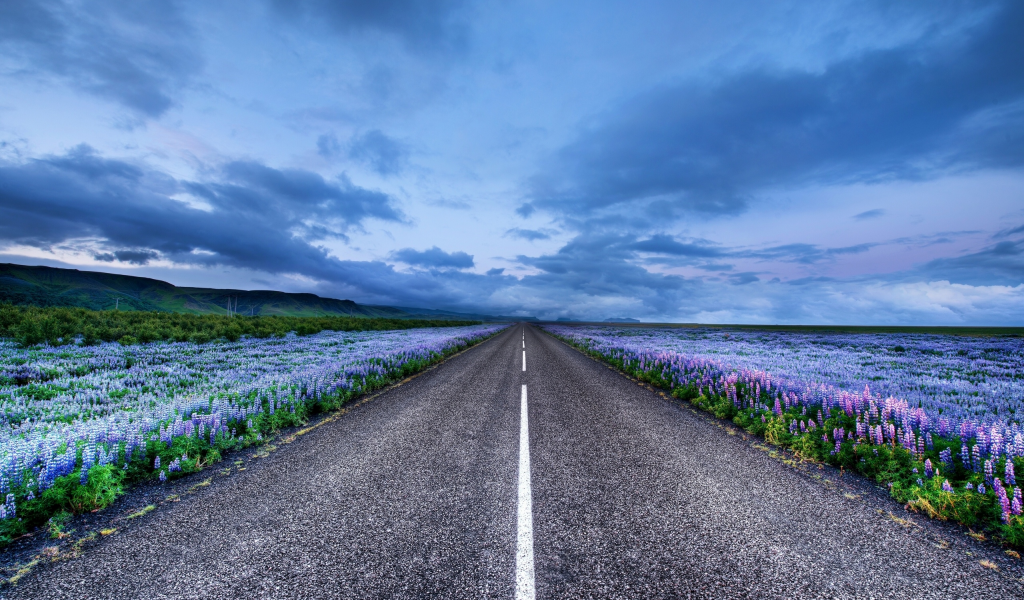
[(28, 326)]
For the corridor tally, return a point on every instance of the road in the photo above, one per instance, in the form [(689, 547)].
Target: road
[(426, 491)]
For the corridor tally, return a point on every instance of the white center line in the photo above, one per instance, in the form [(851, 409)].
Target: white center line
[(524, 543), (524, 360)]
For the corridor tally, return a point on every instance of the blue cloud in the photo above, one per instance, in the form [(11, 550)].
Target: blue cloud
[(430, 25), (259, 218), (433, 258), (934, 105), (529, 235), (869, 214), (383, 154), (140, 55)]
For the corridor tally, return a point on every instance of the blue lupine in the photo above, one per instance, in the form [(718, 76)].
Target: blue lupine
[(1010, 478), (946, 487), (928, 470)]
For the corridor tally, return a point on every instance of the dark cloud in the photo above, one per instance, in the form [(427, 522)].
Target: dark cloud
[(529, 235), (421, 24), (433, 258), (259, 218), (327, 145), (804, 253), (869, 214), (139, 54), (743, 278), (664, 244), (495, 271), (1009, 232), (946, 101), (1001, 264), (134, 257), (383, 154)]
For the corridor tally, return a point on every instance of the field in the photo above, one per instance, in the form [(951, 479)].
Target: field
[(78, 423), (936, 418)]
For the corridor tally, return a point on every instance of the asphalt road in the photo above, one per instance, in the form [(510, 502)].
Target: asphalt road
[(418, 494)]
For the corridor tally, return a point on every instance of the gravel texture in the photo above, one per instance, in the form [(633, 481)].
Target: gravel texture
[(413, 494)]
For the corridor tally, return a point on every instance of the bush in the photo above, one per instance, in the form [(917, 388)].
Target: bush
[(29, 326)]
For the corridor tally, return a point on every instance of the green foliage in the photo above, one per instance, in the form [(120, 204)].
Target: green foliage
[(29, 326), (57, 525), (102, 487)]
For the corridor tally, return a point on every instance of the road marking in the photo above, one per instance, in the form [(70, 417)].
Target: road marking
[(524, 360), (524, 543)]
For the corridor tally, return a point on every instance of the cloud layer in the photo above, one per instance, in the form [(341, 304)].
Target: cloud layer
[(829, 162), (710, 145)]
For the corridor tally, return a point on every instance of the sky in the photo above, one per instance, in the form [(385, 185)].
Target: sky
[(742, 161)]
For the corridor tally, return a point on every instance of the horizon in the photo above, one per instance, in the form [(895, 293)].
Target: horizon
[(835, 164)]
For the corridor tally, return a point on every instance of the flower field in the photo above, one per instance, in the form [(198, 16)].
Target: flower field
[(80, 422), (936, 418)]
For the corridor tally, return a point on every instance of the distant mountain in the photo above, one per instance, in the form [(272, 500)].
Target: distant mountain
[(50, 286), (621, 320)]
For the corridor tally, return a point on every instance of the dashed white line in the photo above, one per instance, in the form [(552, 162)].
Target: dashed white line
[(524, 543), (524, 360)]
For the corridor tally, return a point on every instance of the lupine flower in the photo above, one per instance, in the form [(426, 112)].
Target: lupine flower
[(928, 470), (163, 476), (1010, 478), (946, 487), (981, 489), (156, 464)]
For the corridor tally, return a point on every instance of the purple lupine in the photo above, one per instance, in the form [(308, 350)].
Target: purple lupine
[(946, 487), (163, 476), (928, 470), (1010, 478), (981, 489), (988, 471), (1017, 505), (156, 464), (1004, 501)]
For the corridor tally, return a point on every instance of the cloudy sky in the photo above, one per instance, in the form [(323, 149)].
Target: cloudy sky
[(746, 161)]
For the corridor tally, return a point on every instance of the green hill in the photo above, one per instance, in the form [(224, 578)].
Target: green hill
[(49, 286)]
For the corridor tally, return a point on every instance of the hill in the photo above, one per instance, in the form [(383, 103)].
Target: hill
[(49, 286)]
